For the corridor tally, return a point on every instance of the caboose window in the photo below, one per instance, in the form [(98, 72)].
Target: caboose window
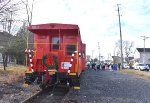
[(55, 43), (70, 49)]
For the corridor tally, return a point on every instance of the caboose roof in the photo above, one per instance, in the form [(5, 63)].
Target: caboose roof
[(52, 26)]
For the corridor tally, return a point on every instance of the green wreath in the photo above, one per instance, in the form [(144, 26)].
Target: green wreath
[(50, 66)]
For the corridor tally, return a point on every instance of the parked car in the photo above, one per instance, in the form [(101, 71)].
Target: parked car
[(126, 66), (141, 66), (148, 65)]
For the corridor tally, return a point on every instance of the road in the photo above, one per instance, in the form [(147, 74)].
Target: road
[(111, 87)]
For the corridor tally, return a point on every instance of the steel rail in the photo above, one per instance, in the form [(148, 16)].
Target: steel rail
[(31, 97), (40, 92)]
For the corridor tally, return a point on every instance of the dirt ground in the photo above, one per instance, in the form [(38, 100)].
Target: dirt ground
[(12, 89)]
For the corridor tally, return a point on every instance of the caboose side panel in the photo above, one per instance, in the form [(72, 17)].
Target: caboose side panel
[(83, 56)]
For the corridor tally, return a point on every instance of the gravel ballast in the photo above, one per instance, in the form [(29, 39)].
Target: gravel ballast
[(110, 87), (96, 87)]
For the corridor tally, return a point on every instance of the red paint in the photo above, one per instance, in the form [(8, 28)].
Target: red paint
[(67, 34)]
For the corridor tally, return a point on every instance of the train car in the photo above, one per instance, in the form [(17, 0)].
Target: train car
[(58, 56)]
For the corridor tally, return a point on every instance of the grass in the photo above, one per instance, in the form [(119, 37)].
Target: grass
[(12, 74), (143, 74)]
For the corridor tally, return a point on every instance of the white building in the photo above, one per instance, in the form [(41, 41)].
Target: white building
[(144, 57)]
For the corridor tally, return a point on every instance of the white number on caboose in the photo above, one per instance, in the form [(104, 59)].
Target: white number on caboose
[(65, 65)]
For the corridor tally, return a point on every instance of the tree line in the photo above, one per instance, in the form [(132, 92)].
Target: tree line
[(128, 51), (10, 11)]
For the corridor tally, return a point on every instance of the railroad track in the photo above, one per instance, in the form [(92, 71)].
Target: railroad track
[(48, 95), (31, 97)]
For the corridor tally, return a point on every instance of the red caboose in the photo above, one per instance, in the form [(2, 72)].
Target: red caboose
[(58, 55)]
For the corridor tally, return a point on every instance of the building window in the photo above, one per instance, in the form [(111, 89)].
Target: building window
[(70, 49), (55, 43)]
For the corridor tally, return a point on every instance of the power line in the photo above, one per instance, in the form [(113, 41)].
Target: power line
[(99, 52), (92, 56)]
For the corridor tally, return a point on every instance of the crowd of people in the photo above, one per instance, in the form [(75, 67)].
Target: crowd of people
[(104, 66)]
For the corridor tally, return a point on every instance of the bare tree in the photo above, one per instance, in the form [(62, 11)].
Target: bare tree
[(88, 58), (5, 58), (29, 11), (8, 9), (127, 48), (117, 51), (109, 56)]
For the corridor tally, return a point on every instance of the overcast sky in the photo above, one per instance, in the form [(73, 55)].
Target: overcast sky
[(98, 20)]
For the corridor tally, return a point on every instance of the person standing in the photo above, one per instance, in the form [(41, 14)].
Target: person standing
[(103, 67), (119, 65), (110, 67), (88, 66), (98, 67), (93, 66)]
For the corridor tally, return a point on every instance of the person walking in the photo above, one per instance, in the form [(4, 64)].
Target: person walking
[(106, 67), (115, 68)]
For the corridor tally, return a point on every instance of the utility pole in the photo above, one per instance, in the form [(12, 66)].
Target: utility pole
[(144, 38), (99, 53), (120, 35), (92, 56), (10, 22)]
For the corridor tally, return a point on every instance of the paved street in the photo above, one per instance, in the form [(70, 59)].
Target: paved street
[(110, 87)]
